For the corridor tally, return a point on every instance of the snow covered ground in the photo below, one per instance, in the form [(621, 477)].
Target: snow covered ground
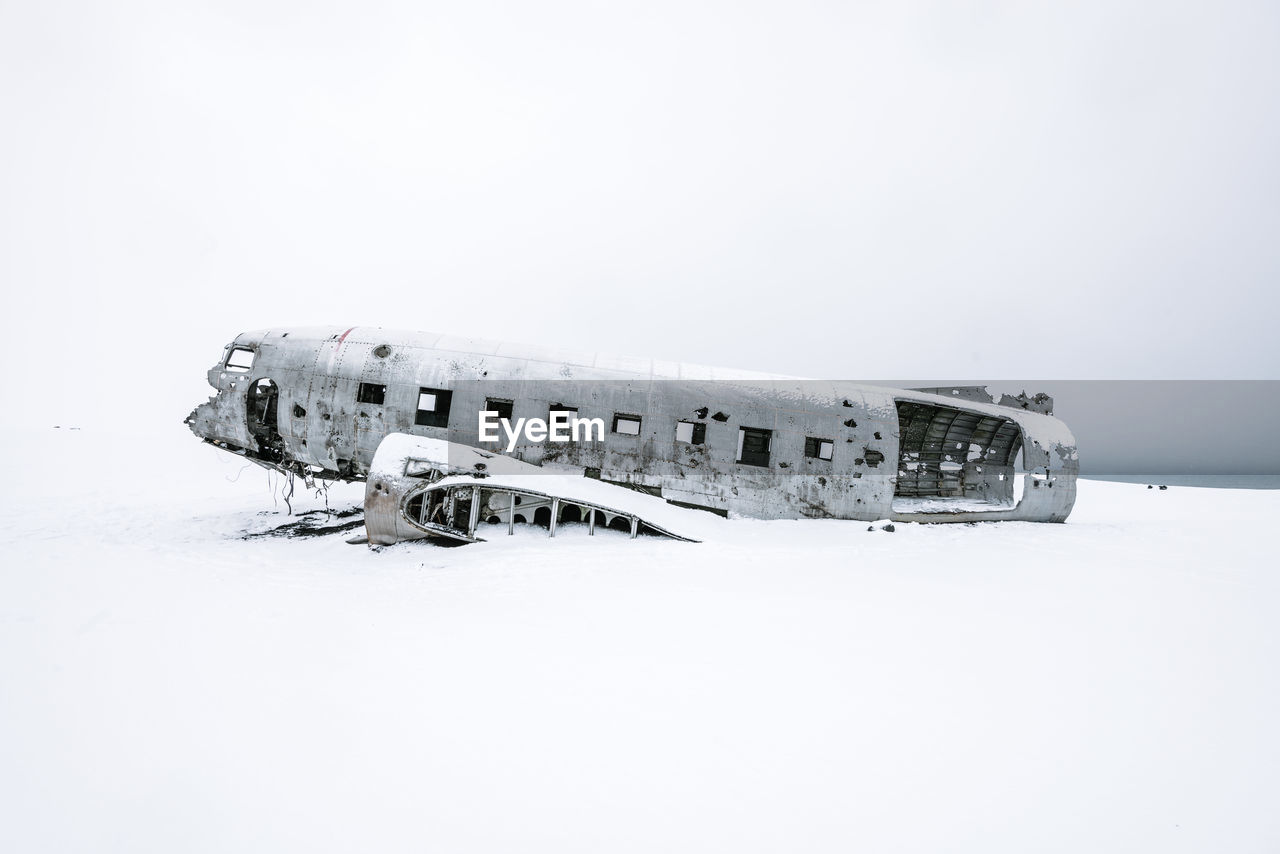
[(167, 684)]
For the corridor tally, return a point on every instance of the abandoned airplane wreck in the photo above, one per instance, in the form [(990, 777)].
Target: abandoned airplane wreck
[(403, 412)]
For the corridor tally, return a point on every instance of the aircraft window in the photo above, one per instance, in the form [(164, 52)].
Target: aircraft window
[(563, 415), (753, 446), (688, 431), (240, 360), (371, 393), (570, 412), (818, 448), (502, 407), (433, 407), (627, 425)]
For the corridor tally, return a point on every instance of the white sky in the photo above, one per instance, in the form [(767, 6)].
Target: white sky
[(852, 190)]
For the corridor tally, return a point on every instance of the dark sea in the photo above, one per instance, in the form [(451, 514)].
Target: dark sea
[(1216, 481)]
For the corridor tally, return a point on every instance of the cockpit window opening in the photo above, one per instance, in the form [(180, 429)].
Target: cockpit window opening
[(240, 360)]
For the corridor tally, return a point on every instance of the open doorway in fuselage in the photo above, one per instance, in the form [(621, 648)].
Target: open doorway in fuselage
[(262, 406)]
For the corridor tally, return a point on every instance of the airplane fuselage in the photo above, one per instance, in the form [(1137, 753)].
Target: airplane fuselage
[(317, 402)]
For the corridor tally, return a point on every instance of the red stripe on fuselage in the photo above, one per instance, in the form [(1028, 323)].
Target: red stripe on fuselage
[(345, 334)]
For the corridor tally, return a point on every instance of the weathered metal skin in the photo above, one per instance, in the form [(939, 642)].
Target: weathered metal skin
[(421, 487), (296, 409)]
